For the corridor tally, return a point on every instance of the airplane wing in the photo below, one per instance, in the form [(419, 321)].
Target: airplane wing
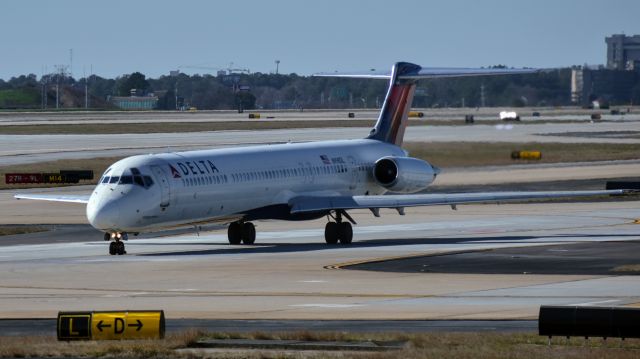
[(314, 204), (55, 197), (430, 73)]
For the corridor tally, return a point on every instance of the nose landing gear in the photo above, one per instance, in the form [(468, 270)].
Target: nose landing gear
[(116, 246)]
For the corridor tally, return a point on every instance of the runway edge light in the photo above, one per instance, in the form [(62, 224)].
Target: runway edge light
[(111, 325)]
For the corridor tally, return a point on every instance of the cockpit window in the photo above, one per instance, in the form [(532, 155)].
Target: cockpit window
[(105, 178), (148, 182), (138, 181)]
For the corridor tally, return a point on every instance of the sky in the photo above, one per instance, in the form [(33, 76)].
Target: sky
[(118, 37)]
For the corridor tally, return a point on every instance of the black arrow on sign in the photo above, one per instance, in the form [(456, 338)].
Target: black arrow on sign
[(139, 325), (100, 325)]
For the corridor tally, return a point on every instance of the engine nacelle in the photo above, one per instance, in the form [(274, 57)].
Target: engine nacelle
[(403, 174)]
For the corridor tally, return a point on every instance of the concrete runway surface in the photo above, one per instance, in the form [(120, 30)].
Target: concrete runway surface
[(291, 274), (16, 149)]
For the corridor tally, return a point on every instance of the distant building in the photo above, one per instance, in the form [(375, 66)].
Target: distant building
[(623, 52), (603, 85), (135, 103), (613, 84)]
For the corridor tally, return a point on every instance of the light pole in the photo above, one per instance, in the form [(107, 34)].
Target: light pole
[(57, 93), (277, 65)]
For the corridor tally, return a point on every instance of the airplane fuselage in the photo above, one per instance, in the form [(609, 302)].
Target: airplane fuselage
[(257, 182)]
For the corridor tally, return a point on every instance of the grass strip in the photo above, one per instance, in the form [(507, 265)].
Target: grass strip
[(424, 345), (179, 127), (12, 230), (462, 154), (175, 127)]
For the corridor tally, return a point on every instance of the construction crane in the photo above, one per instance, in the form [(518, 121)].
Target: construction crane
[(229, 70)]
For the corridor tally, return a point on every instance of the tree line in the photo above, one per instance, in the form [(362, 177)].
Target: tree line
[(291, 91)]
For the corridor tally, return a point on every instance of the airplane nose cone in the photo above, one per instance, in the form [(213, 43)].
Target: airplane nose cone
[(104, 215)]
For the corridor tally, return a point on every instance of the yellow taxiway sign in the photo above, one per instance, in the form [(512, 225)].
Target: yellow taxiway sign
[(112, 325)]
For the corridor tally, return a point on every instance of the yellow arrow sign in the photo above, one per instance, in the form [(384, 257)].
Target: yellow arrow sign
[(111, 325)]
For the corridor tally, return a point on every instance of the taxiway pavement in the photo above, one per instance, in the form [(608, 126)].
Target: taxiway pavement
[(291, 274)]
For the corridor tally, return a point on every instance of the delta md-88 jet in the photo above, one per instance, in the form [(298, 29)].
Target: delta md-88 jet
[(293, 181)]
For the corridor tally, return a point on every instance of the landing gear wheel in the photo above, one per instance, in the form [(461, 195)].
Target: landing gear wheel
[(107, 236), (112, 248), (234, 233), (120, 248), (331, 233), (248, 233), (345, 233)]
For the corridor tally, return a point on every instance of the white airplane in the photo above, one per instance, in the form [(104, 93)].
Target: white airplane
[(300, 181)]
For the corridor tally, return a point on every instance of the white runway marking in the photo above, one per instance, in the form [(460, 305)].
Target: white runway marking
[(596, 303), (124, 295), (312, 281), (319, 305)]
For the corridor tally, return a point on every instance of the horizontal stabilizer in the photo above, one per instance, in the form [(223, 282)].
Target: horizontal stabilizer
[(430, 73)]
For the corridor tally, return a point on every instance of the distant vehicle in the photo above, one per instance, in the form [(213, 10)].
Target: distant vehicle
[(288, 182), (193, 109), (509, 116)]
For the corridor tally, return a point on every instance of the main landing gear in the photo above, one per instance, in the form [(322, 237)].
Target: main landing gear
[(116, 246), (334, 232), (241, 232), (339, 230)]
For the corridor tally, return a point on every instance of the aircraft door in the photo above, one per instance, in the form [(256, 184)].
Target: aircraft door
[(312, 175), (305, 177), (353, 169), (163, 182)]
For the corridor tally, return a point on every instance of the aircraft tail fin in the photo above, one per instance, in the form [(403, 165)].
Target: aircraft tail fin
[(394, 115)]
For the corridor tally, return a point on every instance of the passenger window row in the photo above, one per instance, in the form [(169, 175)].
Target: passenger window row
[(206, 180), (288, 173), (264, 175)]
